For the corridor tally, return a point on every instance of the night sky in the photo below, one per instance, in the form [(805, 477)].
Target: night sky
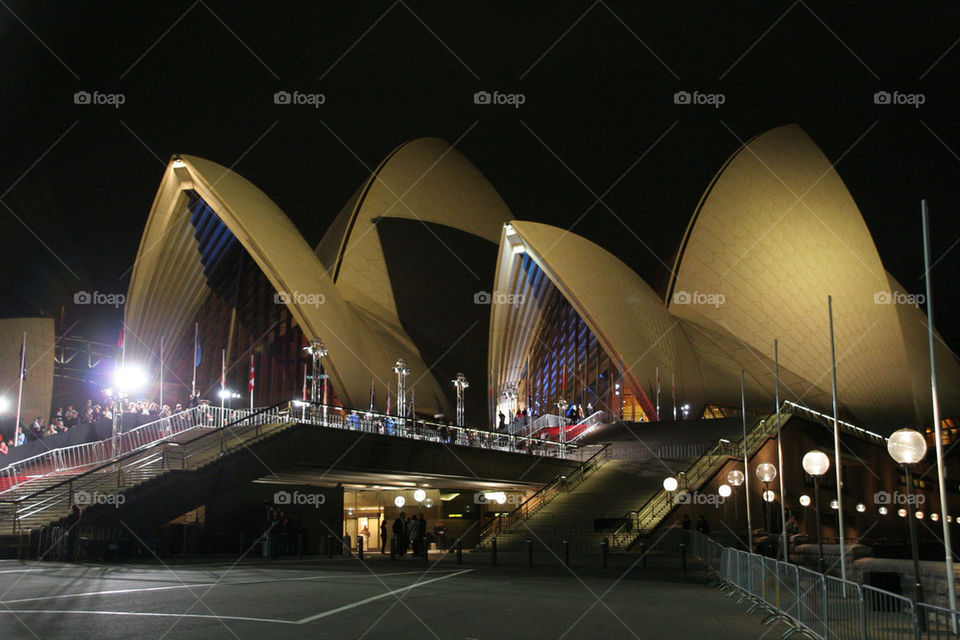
[(599, 119)]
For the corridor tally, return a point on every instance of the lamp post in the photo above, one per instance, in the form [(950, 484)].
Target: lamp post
[(735, 479), (461, 383), (402, 370), (562, 408), (816, 463), (908, 447), (316, 351), (766, 473), (125, 380)]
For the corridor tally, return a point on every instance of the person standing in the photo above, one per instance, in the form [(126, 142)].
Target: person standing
[(400, 533), (384, 532)]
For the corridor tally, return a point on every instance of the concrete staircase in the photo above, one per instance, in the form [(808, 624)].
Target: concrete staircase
[(46, 500), (587, 514)]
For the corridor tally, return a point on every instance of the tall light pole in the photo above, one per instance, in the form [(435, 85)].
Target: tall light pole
[(766, 473), (836, 449), (938, 445), (317, 351), (908, 447), (746, 475), (816, 463), (402, 370), (461, 383), (783, 494), (562, 408), (125, 380)]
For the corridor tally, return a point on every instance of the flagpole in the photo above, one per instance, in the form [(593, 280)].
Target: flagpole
[(746, 469), (251, 385), (23, 366), (223, 378), (161, 373), (947, 546), (836, 447), (196, 338), (673, 393), (783, 497), (658, 393)]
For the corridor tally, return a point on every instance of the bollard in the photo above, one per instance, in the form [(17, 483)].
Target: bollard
[(493, 551), (604, 548), (393, 547), (683, 556), (459, 551), (566, 553), (529, 553), (329, 547), (643, 555), (360, 547)]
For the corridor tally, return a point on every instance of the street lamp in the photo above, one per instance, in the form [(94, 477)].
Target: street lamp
[(402, 370), (767, 473), (419, 495), (461, 383), (735, 479), (816, 463), (125, 379), (670, 484), (908, 447)]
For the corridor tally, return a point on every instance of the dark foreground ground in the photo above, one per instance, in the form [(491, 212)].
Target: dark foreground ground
[(377, 598)]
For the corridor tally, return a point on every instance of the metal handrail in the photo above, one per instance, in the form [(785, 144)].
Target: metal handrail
[(545, 494), (88, 453), (637, 523)]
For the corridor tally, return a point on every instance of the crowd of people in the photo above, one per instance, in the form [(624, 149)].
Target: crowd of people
[(90, 412)]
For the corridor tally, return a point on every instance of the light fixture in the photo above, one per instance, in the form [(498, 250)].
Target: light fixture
[(935, 516), (883, 511), (766, 472), (769, 496), (804, 500), (919, 515), (399, 501), (735, 477), (724, 490), (428, 503), (815, 463), (128, 378), (4, 404), (834, 504), (861, 507), (907, 446), (902, 512), (419, 495), (670, 484)]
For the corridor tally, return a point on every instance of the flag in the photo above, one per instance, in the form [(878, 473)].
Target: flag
[(324, 390), (250, 388), (223, 369), (658, 380), (373, 395), (304, 382), (196, 345), (388, 398)]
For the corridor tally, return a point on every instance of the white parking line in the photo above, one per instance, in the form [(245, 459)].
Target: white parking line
[(379, 597)]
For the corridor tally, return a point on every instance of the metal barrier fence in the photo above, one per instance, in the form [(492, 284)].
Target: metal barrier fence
[(819, 605)]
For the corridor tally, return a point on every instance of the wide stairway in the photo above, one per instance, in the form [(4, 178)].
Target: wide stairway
[(46, 500), (586, 514)]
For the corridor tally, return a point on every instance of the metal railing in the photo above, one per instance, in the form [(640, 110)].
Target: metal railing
[(78, 456), (820, 605), (560, 484), (645, 519)]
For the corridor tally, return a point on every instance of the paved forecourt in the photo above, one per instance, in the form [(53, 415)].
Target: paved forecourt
[(344, 598)]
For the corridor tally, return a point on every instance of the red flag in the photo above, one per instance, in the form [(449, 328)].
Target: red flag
[(250, 388), (304, 382), (388, 398)]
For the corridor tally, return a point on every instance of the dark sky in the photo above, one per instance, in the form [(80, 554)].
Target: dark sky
[(598, 81)]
